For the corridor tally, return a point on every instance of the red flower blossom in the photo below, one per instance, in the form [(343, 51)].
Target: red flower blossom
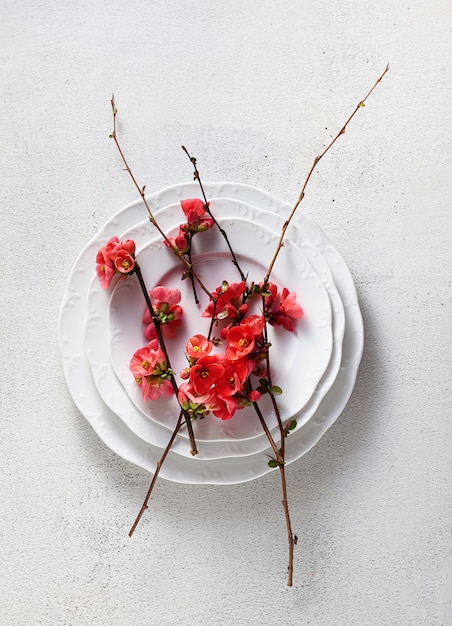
[(254, 396), (240, 340), (205, 373), (228, 301), (286, 311), (124, 262), (105, 271), (288, 304), (198, 346), (255, 323), (233, 378), (188, 395), (179, 243), (198, 220), (225, 407), (273, 290), (115, 257)]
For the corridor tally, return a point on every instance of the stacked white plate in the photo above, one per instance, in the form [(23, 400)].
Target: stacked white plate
[(315, 365)]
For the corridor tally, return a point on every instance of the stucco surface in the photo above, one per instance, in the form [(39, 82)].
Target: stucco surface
[(255, 90)]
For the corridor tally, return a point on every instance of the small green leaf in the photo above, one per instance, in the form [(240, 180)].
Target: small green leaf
[(290, 426), (272, 463), (275, 390), (362, 104)]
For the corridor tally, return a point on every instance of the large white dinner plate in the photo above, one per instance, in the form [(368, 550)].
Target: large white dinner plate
[(300, 358), (112, 429), (113, 393)]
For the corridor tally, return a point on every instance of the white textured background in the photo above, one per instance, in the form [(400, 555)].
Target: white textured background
[(255, 90)]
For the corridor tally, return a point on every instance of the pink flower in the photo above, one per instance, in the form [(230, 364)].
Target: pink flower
[(193, 206), (108, 248), (162, 294), (198, 219), (225, 407), (288, 304), (255, 323), (115, 257), (187, 395), (124, 262), (105, 271), (233, 378), (127, 246), (165, 303), (286, 311), (198, 346), (273, 290), (254, 396), (149, 368), (179, 243)]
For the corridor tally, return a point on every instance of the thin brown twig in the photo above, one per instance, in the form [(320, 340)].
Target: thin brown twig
[(285, 502), (281, 453), (197, 177), (290, 536), (268, 434), (193, 286), (160, 462), (270, 384), (141, 191), (280, 460), (360, 104)]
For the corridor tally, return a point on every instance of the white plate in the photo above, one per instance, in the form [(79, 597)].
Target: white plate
[(112, 429), (96, 337), (300, 358)]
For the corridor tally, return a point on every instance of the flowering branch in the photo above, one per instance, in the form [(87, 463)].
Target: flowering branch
[(197, 176), (161, 340), (280, 456), (360, 104), (141, 191)]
